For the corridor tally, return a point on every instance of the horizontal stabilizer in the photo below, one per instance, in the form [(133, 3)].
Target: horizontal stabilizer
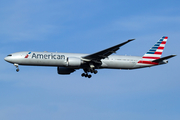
[(164, 58)]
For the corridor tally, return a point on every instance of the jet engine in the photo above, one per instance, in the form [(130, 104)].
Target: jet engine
[(73, 62), (64, 70)]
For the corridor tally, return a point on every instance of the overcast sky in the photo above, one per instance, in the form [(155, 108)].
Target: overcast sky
[(88, 26)]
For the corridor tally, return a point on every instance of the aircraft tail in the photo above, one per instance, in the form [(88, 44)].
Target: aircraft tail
[(155, 52)]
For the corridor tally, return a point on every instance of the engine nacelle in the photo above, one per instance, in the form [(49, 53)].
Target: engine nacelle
[(73, 62), (64, 70)]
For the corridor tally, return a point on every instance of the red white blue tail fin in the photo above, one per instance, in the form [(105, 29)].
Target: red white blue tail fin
[(155, 52)]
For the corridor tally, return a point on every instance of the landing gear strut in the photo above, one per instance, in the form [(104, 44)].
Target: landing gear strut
[(90, 67), (17, 67)]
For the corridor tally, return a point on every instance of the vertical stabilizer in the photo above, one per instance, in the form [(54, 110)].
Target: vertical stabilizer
[(155, 52)]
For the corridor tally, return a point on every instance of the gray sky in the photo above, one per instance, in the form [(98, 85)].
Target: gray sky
[(88, 26)]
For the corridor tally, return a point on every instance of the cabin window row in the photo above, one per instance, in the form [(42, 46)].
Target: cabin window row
[(126, 59)]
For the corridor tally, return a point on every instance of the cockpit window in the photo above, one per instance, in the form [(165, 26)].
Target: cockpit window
[(9, 55)]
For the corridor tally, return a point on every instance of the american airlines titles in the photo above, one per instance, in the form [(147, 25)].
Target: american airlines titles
[(48, 56)]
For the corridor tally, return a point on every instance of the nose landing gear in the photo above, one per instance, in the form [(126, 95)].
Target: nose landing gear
[(17, 67)]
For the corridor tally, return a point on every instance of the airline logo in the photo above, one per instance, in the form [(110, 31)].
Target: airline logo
[(46, 56), (155, 52), (27, 55)]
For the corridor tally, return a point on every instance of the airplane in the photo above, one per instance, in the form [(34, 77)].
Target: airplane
[(67, 63)]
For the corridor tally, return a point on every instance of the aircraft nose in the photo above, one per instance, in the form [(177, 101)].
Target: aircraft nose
[(6, 58)]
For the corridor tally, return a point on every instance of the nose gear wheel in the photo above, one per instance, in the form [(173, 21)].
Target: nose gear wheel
[(17, 67)]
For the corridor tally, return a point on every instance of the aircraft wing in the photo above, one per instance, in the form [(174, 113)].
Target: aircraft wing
[(105, 53)]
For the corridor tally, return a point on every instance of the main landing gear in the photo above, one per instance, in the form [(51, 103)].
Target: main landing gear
[(17, 67), (88, 75)]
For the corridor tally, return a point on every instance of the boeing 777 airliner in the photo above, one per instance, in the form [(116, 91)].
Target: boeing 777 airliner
[(67, 63)]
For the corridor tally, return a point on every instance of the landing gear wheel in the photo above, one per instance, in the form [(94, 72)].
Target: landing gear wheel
[(87, 70), (17, 68), (95, 71), (83, 74), (89, 76), (86, 75)]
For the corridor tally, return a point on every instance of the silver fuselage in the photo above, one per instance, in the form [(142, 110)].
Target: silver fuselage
[(60, 59)]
